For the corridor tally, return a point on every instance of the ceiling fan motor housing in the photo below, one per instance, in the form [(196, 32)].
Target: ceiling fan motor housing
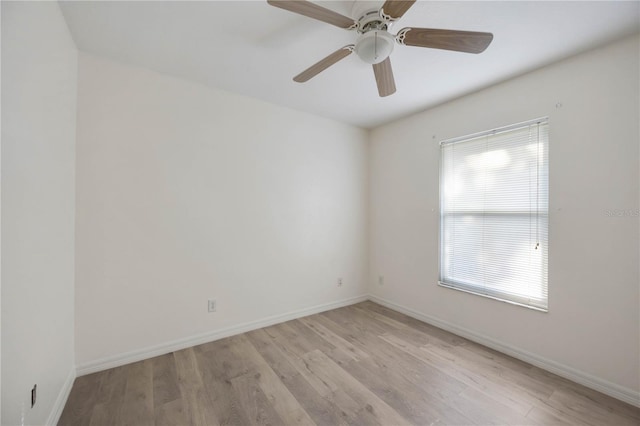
[(375, 44)]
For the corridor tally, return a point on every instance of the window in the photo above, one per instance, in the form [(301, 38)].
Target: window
[(494, 213)]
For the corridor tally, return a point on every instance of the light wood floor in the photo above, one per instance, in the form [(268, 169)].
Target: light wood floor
[(361, 365)]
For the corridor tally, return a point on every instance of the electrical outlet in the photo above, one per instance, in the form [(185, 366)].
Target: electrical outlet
[(33, 395), (339, 282), (381, 280), (212, 305)]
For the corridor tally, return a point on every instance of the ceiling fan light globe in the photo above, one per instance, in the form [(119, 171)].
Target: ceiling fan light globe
[(374, 46)]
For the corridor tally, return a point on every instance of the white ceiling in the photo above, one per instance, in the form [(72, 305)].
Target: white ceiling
[(251, 48)]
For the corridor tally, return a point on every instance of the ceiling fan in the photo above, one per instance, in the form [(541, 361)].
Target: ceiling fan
[(375, 42)]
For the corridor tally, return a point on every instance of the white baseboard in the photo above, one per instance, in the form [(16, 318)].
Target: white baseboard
[(61, 400), (616, 391), (165, 348)]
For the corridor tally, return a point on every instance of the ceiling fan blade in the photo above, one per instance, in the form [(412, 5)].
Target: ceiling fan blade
[(393, 10), (314, 11), (460, 41), (384, 78), (322, 65)]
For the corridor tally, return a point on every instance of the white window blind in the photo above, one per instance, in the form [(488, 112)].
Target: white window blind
[(494, 213)]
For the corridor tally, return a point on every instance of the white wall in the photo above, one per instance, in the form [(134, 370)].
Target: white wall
[(186, 193), (39, 74), (593, 319)]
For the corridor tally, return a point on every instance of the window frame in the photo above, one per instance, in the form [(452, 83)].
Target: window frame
[(541, 216)]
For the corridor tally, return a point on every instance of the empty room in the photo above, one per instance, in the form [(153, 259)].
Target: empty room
[(289, 212)]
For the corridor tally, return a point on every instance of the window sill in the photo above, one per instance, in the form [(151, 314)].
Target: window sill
[(511, 302)]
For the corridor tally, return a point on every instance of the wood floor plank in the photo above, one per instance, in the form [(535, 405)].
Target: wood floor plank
[(324, 367), (284, 403), (549, 416), (282, 400), (351, 350), (267, 347), (432, 331), (170, 414), (489, 378), (421, 399), (497, 388), (82, 400), (404, 396), (325, 388), (399, 328), (485, 410), (286, 340), (355, 334), (349, 411), (389, 321), (223, 359), (137, 408), (515, 372), (196, 402), (507, 367), (295, 340), (586, 410), (103, 415), (165, 380), (590, 397), (220, 391), (113, 387), (321, 410), (306, 341), (363, 364), (253, 401), (355, 321), (429, 379)]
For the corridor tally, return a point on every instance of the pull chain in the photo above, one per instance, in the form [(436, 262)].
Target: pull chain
[(375, 44)]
